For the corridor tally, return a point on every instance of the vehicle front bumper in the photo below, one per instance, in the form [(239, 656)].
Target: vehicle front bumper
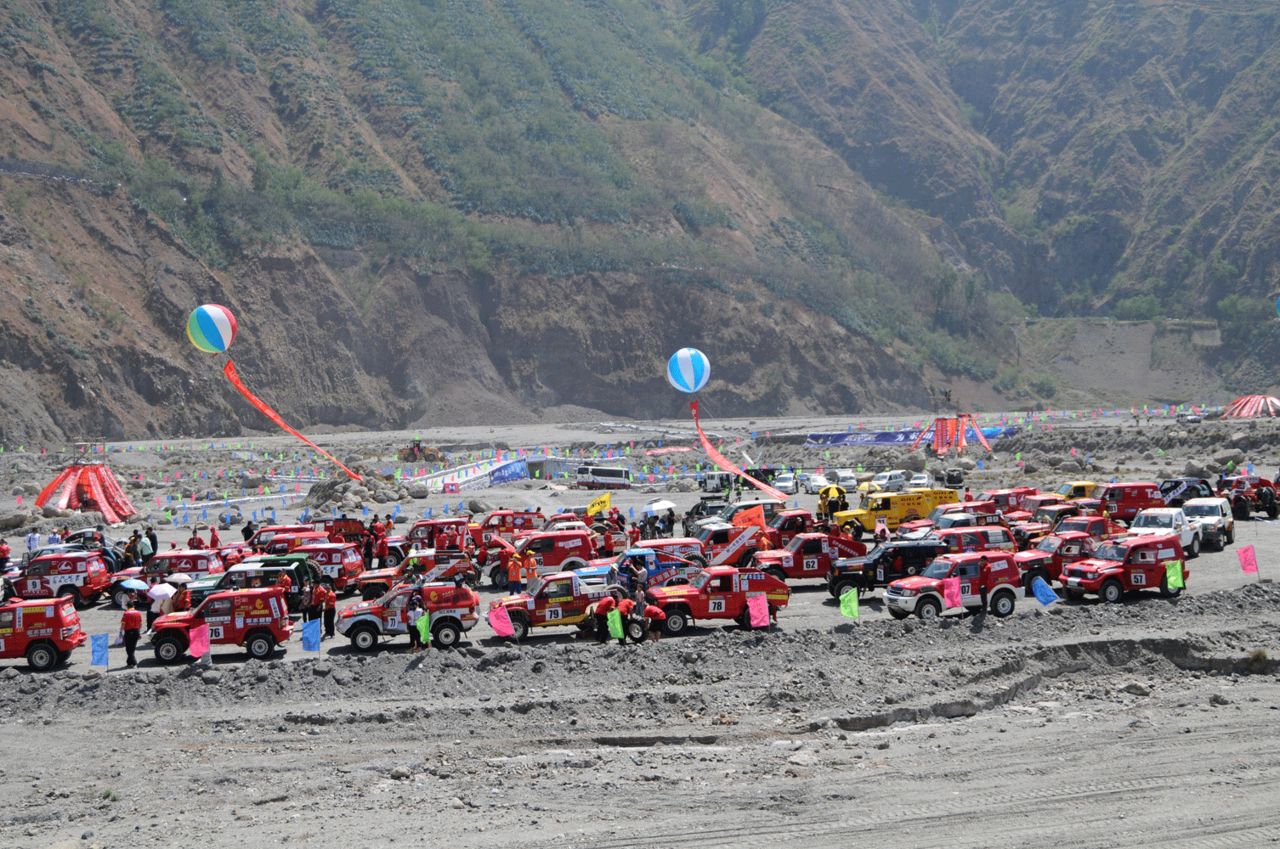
[(904, 604)]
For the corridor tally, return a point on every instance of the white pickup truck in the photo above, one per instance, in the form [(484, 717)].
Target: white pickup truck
[(1213, 517), (1168, 520)]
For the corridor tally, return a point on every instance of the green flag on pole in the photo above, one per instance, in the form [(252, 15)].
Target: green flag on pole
[(849, 604), (1173, 575)]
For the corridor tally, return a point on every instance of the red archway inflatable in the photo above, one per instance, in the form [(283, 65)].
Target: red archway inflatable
[(1252, 406)]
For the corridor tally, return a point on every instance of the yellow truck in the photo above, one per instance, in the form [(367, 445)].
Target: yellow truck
[(894, 507), (1077, 489)]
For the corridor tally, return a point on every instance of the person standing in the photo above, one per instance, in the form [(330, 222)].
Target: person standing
[(382, 550), (181, 600), (248, 530), (412, 614), (157, 605), (154, 540), (214, 541), (530, 568), (130, 631), (194, 542), (4, 553), (514, 584), (308, 602), (33, 541), (145, 549), (984, 576), (602, 608), (330, 611)]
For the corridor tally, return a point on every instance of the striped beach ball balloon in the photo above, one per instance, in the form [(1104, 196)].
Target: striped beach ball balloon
[(211, 328), (688, 370)]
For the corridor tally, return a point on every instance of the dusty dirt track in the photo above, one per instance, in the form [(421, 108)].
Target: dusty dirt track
[(1151, 723)]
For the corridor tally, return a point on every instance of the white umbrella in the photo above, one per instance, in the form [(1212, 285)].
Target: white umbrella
[(159, 591), (178, 579), (659, 506)]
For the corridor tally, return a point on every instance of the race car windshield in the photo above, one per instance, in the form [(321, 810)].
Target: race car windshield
[(1065, 489), (1074, 525), (699, 580), (1152, 520), (776, 521), (938, 569), (534, 586), (938, 513), (522, 544), (1111, 552), (795, 543), (1201, 509), (1049, 544)]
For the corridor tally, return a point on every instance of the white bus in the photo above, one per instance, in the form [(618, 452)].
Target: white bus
[(603, 477)]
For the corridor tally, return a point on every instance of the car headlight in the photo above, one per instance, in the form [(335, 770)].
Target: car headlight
[(1089, 576), (907, 593)]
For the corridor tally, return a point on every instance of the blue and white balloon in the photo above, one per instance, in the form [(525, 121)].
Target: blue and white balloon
[(688, 370)]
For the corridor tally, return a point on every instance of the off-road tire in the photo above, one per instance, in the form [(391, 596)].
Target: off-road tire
[(928, 609), (844, 585), (1229, 536), (73, 595), (446, 635), (698, 560), (1240, 508), (260, 645), (42, 656), (1193, 550), (520, 626), (364, 638), (677, 621), (1166, 591), (169, 648), (120, 598), (1002, 604), (898, 614), (1111, 591)]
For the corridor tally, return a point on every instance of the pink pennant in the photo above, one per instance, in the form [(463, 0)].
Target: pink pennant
[(1248, 560), (758, 608), (500, 622), (951, 592), (199, 641)]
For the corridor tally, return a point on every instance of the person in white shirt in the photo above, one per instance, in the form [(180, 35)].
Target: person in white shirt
[(33, 541)]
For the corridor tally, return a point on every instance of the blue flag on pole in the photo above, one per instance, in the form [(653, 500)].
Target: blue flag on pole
[(98, 649), (1043, 592), (311, 635)]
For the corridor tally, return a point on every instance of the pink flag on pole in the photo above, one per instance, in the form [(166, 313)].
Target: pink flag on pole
[(951, 592), (199, 645), (500, 622), (1248, 560), (758, 607)]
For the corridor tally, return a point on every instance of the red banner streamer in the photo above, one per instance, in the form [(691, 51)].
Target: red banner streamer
[(230, 371), (720, 460)]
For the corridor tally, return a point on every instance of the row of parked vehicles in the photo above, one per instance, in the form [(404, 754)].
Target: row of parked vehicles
[(1104, 539)]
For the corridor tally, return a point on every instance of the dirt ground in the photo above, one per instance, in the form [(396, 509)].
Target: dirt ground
[(1149, 723)]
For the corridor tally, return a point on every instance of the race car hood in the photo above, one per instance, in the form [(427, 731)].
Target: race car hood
[(357, 609), (675, 592), (375, 574), (126, 574), (1092, 564), (1024, 557), (917, 583), (772, 556), (915, 525), (182, 618), (1031, 528), (520, 600), (206, 583)]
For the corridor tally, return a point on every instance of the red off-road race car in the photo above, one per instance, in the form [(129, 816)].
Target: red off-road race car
[(1124, 565), (43, 630), (807, 555), (718, 592), (558, 599), (257, 619), (452, 610)]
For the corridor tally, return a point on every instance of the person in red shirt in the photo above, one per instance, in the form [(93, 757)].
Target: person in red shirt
[(330, 611), (380, 551), (214, 542), (130, 631), (285, 583), (655, 616), (4, 553), (626, 607), (633, 534), (603, 606), (181, 600)]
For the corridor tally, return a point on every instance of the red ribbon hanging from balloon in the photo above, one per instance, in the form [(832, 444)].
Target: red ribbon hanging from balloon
[(230, 371), (721, 461)]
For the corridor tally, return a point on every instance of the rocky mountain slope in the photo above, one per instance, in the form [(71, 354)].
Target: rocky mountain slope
[(431, 211)]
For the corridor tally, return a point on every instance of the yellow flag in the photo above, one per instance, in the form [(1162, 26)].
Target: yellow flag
[(600, 504)]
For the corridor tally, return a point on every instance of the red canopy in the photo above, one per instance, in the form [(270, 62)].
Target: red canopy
[(88, 486), (1252, 406)]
